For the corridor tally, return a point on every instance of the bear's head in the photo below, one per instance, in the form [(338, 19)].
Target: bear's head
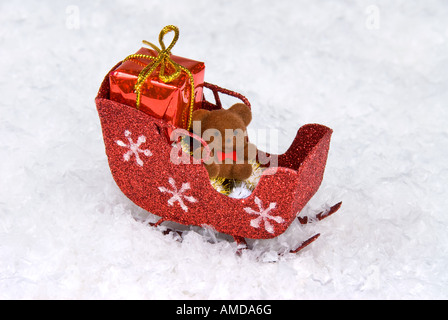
[(224, 130)]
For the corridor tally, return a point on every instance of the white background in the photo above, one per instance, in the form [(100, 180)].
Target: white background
[(374, 71)]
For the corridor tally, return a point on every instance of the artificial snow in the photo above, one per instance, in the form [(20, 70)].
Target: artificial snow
[(374, 71)]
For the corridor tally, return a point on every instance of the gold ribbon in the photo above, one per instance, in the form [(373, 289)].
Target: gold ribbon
[(163, 58)]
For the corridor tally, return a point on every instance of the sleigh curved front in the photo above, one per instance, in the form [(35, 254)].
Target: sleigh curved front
[(139, 153)]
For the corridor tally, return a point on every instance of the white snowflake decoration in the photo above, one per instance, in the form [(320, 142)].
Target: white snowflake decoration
[(264, 216), (178, 195), (134, 148)]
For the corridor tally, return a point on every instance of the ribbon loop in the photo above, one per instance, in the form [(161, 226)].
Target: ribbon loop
[(163, 59), (164, 54), (165, 31)]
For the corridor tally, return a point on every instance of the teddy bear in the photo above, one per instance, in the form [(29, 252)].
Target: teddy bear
[(225, 132)]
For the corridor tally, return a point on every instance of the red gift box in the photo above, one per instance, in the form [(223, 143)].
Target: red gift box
[(168, 100)]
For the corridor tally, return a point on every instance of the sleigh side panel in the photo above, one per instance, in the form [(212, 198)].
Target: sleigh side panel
[(139, 159), (313, 141)]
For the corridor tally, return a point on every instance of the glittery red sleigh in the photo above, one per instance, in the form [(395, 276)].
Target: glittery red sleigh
[(138, 152)]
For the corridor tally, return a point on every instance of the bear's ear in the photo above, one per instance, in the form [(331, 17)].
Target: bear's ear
[(243, 111)]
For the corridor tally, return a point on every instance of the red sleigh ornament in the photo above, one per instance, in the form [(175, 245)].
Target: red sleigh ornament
[(138, 151)]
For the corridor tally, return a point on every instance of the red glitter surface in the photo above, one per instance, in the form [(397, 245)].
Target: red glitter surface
[(280, 195)]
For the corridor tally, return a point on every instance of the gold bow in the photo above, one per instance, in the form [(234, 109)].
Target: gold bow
[(163, 58)]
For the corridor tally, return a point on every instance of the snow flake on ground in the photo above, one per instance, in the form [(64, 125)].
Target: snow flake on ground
[(264, 216), (178, 195), (134, 148)]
